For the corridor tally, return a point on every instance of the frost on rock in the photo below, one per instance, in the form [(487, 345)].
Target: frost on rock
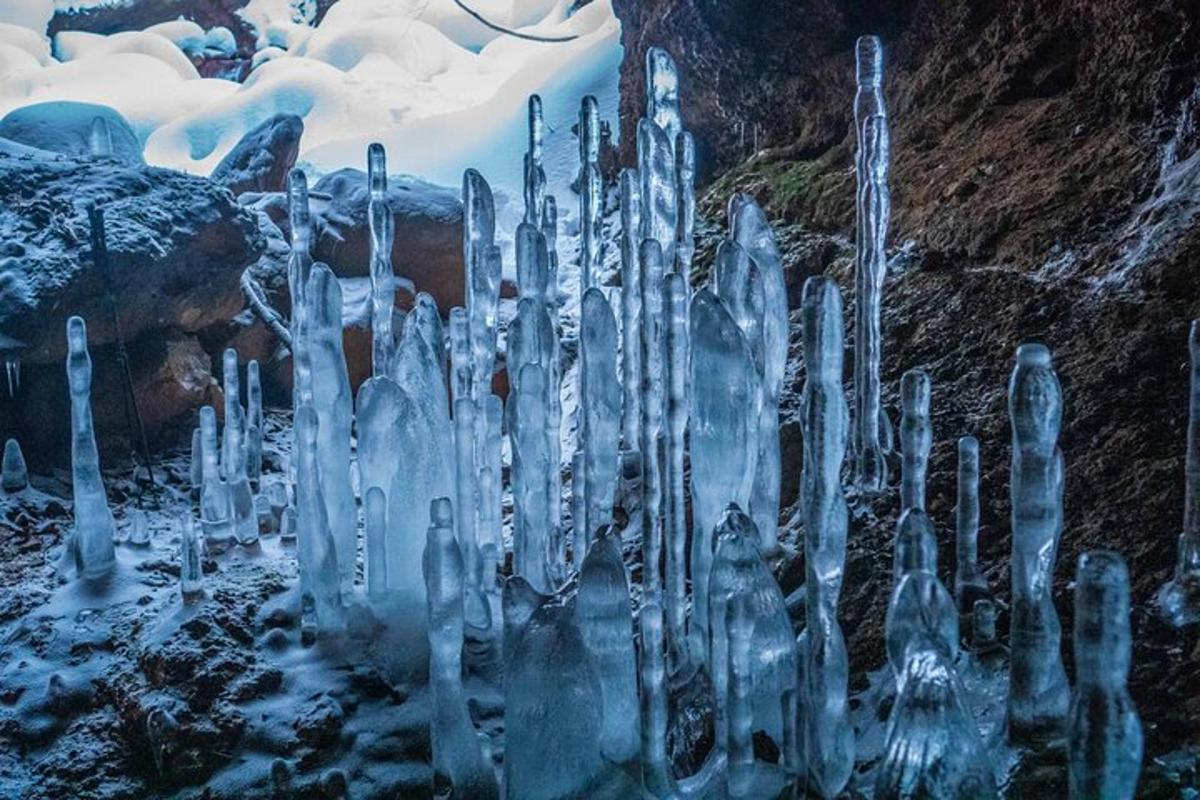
[(1104, 734), (1179, 599), (1038, 694), (90, 546)]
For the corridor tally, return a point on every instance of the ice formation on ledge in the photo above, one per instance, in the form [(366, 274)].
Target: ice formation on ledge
[(1179, 599), (1104, 734), (90, 546), (1038, 694), (13, 474)]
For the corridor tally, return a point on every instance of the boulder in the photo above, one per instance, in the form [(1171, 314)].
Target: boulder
[(177, 247), (260, 162), (64, 126)]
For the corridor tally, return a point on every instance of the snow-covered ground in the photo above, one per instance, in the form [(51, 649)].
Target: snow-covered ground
[(441, 90)]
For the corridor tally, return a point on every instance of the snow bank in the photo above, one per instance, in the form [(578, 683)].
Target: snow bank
[(79, 45), (32, 14)]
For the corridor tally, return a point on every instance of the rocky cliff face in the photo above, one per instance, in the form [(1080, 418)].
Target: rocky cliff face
[(1045, 167)]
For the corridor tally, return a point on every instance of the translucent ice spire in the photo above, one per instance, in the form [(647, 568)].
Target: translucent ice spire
[(533, 263), (100, 142), (591, 193), (933, 749), (685, 177), (1104, 735), (738, 570), (653, 398), (375, 524), (631, 310), (234, 413), (920, 616), (464, 481), (656, 169), (1179, 599), (380, 403), (1038, 694), (916, 438), (482, 259), (332, 403), (13, 474), (299, 267), (602, 612), (662, 92), (656, 768), (320, 596), (234, 455), (91, 543), (383, 291), (216, 510), (724, 385), (828, 734), (969, 583), (600, 410), (739, 624), (491, 545), (254, 421), (676, 296), (873, 210), (191, 574), (535, 175), (531, 462), (459, 766)]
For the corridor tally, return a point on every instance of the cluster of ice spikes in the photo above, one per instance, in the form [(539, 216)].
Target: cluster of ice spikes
[(666, 376)]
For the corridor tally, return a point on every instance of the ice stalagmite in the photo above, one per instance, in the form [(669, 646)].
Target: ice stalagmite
[(675, 302), (216, 510), (464, 481), (969, 583), (685, 177), (533, 263), (870, 262), (1038, 694), (631, 310), (380, 403), (375, 525), (491, 545), (191, 574), (383, 291), (662, 92), (13, 474), (749, 228), (658, 205), (196, 467), (535, 175), (459, 767), (601, 414), (916, 541), (332, 403), (91, 542), (920, 616), (234, 454), (1179, 599), (828, 735), (553, 712), (254, 421), (656, 768), (531, 462), (653, 396), (482, 260), (460, 355), (591, 193), (426, 444), (739, 625), (1104, 734), (723, 385), (299, 266), (602, 613), (933, 749), (320, 595), (231, 439)]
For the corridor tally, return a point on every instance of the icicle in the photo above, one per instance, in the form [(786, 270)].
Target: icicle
[(196, 472), (1038, 693), (191, 573), (375, 518), (531, 462), (602, 613), (550, 231), (459, 767), (91, 543), (383, 291), (1179, 599), (1104, 735), (662, 92), (631, 311), (653, 393), (216, 504), (332, 403), (932, 749), (675, 301), (254, 422), (828, 735), (320, 597), (14, 476), (460, 355), (482, 259), (658, 205), (599, 412), (591, 194), (739, 625), (535, 176), (234, 414), (299, 267), (234, 455), (916, 438), (685, 176), (969, 584), (723, 436), (12, 372)]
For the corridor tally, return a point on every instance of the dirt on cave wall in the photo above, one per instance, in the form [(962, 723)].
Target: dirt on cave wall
[(1045, 187)]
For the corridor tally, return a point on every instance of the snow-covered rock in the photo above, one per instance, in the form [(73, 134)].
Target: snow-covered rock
[(66, 127), (262, 159)]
